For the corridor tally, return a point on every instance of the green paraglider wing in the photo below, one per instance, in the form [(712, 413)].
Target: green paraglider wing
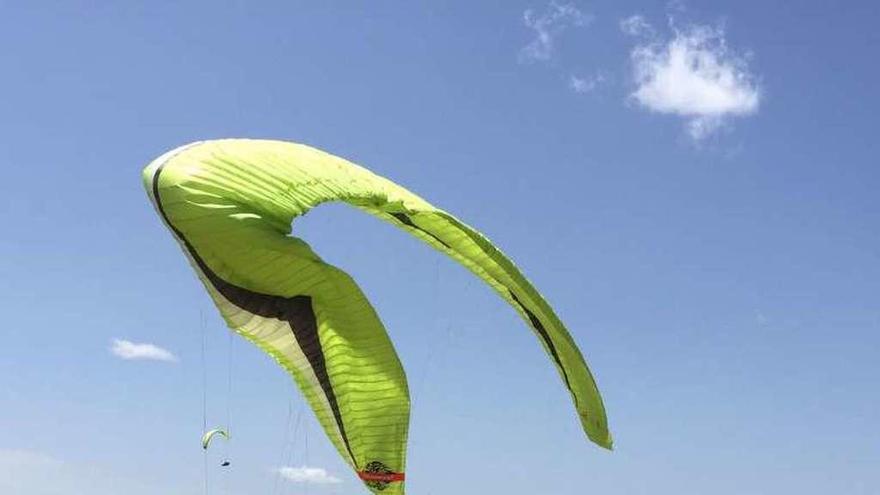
[(209, 435), (230, 204)]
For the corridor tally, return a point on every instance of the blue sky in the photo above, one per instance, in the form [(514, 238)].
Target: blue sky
[(706, 229)]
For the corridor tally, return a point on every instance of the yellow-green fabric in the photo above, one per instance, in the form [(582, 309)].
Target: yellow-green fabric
[(210, 434), (230, 204)]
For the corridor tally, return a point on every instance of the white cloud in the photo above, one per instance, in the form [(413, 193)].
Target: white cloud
[(586, 84), (636, 25), (131, 351), (306, 474), (676, 6), (696, 76), (547, 26), (761, 318)]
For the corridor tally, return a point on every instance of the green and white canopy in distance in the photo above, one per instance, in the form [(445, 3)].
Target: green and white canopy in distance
[(210, 434), (230, 204)]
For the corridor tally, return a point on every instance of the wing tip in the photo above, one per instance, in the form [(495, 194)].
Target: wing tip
[(603, 440), (597, 431)]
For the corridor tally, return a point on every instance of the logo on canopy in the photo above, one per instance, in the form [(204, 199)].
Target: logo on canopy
[(377, 475)]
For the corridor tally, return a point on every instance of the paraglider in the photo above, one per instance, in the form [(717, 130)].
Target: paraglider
[(230, 204), (209, 435)]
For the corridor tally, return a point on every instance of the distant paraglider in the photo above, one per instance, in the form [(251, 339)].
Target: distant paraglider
[(230, 204), (209, 435)]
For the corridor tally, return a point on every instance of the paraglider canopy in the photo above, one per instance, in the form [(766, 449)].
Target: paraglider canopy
[(230, 204), (209, 435)]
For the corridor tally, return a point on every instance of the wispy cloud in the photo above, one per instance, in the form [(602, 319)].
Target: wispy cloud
[(693, 74), (547, 26), (636, 25), (761, 318), (304, 474), (126, 349), (583, 85)]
